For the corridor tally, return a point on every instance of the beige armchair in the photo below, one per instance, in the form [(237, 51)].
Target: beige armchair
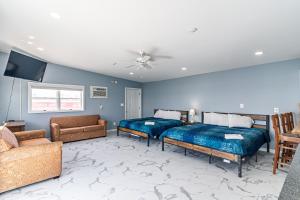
[(35, 159)]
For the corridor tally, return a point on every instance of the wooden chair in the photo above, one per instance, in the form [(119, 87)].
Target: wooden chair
[(287, 123), (280, 139)]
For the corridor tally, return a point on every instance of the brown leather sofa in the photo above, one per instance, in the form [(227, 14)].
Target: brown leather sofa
[(73, 128), (30, 159)]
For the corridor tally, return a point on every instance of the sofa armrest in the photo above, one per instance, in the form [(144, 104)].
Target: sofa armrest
[(55, 131), (102, 122), (29, 164), (28, 135)]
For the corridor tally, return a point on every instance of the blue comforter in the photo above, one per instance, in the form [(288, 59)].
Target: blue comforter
[(160, 125), (212, 136)]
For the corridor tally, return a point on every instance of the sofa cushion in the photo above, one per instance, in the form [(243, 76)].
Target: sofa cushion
[(93, 128), (34, 142), (75, 121), (8, 136), (65, 131), (4, 146)]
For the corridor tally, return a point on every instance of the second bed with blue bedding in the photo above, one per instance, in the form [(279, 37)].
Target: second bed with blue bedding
[(213, 136)]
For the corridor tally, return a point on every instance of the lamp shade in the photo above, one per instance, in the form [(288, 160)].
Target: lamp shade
[(192, 111)]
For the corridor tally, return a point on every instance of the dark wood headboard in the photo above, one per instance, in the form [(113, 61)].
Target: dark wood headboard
[(255, 117), (184, 114)]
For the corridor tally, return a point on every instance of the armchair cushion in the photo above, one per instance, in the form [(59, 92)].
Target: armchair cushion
[(8, 136), (33, 142), (93, 128), (65, 131), (4, 146), (28, 135)]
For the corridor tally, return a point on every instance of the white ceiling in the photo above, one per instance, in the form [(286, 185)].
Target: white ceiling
[(93, 35)]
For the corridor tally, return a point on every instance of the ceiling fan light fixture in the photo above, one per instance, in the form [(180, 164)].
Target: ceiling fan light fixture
[(183, 68), (131, 73)]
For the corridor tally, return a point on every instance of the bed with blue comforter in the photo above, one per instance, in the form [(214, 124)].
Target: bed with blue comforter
[(213, 136), (155, 130)]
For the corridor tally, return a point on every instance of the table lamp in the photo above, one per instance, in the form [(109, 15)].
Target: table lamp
[(192, 113)]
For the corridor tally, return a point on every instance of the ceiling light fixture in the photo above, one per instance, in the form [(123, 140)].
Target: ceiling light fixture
[(259, 53), (55, 15), (183, 68), (31, 37), (40, 49), (131, 73), (29, 42)]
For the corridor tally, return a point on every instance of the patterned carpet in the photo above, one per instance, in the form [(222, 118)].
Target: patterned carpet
[(121, 168)]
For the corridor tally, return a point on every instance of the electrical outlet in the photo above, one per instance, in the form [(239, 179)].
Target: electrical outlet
[(276, 110), (242, 106), (101, 107)]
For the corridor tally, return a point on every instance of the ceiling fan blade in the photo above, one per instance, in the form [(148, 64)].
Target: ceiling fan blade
[(156, 57), (147, 66), (153, 51), (129, 66), (136, 53)]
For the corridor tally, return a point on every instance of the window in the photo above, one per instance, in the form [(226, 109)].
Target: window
[(54, 98)]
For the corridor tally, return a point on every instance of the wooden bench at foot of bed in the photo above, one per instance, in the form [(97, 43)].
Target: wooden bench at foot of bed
[(138, 133), (211, 152)]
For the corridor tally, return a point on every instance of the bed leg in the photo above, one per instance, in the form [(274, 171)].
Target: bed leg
[(185, 151), (163, 145), (256, 157), (148, 141), (240, 161), (268, 147), (209, 159), (118, 131)]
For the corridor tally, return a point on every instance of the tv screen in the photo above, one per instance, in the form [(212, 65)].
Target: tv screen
[(25, 67)]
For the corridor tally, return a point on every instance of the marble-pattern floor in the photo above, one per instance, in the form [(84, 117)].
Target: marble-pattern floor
[(121, 168)]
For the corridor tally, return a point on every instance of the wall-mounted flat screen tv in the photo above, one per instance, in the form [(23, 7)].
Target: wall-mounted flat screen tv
[(25, 67)]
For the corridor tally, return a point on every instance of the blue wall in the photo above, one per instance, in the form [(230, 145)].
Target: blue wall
[(259, 88), (112, 111)]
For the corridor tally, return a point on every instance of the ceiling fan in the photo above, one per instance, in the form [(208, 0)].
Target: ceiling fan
[(144, 59)]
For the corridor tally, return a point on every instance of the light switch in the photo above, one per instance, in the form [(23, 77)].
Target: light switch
[(242, 106), (122, 104), (276, 110), (101, 107)]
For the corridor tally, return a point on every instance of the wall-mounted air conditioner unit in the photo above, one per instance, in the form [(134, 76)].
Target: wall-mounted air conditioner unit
[(98, 92)]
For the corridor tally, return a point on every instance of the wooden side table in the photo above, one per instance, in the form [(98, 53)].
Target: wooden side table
[(15, 126)]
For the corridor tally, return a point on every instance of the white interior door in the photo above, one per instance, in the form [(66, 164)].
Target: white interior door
[(133, 103)]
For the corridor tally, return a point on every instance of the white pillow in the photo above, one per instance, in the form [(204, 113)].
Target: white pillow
[(158, 114), (167, 114), (216, 119), (239, 121), (207, 118), (173, 115)]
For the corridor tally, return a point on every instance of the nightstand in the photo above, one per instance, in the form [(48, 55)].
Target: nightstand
[(191, 123), (15, 126)]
